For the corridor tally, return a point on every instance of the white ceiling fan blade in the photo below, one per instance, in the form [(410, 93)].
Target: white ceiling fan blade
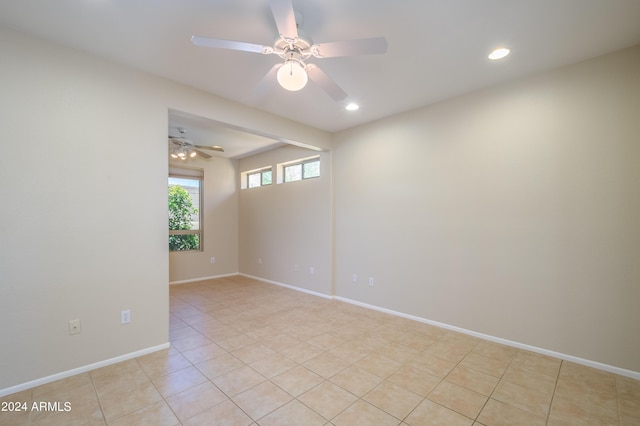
[(365, 46), (267, 82), (325, 82), (219, 43), (212, 148), (202, 154), (285, 18)]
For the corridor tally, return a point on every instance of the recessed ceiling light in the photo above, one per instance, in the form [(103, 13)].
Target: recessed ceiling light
[(499, 53), (352, 106)]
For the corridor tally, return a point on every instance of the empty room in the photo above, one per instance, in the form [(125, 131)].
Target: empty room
[(379, 213)]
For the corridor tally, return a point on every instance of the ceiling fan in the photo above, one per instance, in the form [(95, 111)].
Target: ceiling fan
[(295, 48), (184, 148)]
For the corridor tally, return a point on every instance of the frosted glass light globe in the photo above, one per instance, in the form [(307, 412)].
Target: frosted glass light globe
[(292, 76)]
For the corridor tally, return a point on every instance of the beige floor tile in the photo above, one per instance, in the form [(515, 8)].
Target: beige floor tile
[(158, 414), (364, 414), (581, 408), (379, 365), (203, 353), (374, 368), (350, 352), (393, 399), (597, 380), (325, 341), (628, 388), (584, 394), (495, 350), (297, 380), (529, 379), (119, 377), (127, 400), (537, 364), (370, 342), (294, 413), (220, 365), (236, 342), (62, 386), (414, 380), (474, 380), (238, 380), (629, 410), (280, 341), (87, 414), (262, 400), (432, 364), (301, 352), (346, 332), (356, 380), (252, 353), (190, 342), (178, 381), (430, 413), (458, 399), (450, 350), (162, 362), (188, 403), (526, 399), (326, 365), (485, 364), (327, 399), (226, 413), (415, 340), (397, 352), (496, 413), (273, 365)]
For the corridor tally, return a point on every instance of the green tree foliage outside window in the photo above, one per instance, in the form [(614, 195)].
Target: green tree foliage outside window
[(181, 210)]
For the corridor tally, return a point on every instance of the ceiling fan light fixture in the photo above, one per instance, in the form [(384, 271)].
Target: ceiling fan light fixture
[(192, 153), (292, 75)]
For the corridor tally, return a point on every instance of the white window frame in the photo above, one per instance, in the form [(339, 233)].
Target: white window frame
[(244, 177), (191, 174), (281, 168)]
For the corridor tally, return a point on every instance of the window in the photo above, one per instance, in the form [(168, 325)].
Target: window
[(256, 178), (185, 205), (306, 169)]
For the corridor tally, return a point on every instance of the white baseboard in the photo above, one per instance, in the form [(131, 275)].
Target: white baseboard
[(194, 280), (600, 366), (292, 287), (605, 367), (83, 369)]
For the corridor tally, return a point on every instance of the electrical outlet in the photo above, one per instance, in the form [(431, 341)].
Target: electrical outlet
[(213, 260), (371, 283), (260, 261), (312, 270), (74, 326), (125, 316), (354, 278)]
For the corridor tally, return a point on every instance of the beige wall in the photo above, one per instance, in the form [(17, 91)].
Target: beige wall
[(513, 212), (220, 224), (288, 224), (76, 243)]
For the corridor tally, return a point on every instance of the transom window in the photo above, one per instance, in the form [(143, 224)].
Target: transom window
[(256, 178), (306, 169)]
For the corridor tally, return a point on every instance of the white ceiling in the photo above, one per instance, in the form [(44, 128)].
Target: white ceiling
[(437, 48)]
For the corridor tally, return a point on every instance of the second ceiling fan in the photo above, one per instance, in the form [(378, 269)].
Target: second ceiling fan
[(296, 48)]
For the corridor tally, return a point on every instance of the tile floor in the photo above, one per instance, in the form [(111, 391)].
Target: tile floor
[(249, 353)]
